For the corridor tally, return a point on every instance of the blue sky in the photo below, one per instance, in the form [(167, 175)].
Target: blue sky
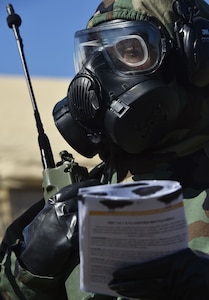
[(47, 31)]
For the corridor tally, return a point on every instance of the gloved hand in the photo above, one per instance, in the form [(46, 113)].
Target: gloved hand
[(51, 239), (180, 276)]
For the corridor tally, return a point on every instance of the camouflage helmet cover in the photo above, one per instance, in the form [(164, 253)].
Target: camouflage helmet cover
[(162, 10), (134, 10)]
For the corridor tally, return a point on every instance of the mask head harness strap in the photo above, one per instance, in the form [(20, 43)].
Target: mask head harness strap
[(192, 36)]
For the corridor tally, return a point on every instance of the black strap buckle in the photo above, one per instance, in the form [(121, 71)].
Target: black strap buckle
[(186, 9)]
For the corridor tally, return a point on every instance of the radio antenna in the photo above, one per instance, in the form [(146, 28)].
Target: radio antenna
[(14, 21)]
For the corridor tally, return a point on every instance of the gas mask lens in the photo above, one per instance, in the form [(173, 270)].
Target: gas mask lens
[(83, 51), (132, 51), (128, 46)]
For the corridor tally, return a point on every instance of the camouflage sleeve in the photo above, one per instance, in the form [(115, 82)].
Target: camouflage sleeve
[(197, 214), (17, 283)]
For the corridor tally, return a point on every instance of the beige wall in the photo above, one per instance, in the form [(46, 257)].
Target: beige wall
[(20, 161)]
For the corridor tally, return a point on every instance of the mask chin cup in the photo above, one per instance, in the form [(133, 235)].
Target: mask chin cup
[(72, 132), (143, 116)]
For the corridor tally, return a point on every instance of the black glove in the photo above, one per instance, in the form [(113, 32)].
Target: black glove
[(51, 239), (14, 230), (180, 276)]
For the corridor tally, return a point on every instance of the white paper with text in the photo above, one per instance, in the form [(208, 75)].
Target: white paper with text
[(124, 224)]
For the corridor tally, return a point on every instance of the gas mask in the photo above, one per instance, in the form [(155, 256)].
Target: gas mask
[(122, 94)]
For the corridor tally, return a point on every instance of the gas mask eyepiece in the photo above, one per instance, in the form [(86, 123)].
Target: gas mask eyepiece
[(130, 47)]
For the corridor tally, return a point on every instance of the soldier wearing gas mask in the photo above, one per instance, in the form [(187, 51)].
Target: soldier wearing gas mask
[(140, 100)]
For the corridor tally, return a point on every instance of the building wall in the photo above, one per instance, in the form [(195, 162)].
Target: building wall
[(20, 160)]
